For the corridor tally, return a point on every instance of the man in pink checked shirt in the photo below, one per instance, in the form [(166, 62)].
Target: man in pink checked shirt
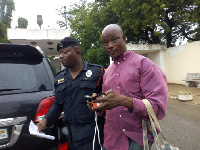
[(129, 79)]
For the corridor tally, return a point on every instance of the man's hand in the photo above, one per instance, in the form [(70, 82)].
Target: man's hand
[(111, 100), (90, 105), (42, 125)]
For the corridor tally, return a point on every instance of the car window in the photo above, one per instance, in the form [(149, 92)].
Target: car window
[(23, 74)]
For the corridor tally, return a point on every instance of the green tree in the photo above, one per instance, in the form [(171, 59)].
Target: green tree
[(22, 23), (86, 23), (102, 2), (160, 21), (62, 12), (6, 8), (3, 33), (143, 21)]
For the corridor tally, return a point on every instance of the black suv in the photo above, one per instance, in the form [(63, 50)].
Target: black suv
[(26, 93)]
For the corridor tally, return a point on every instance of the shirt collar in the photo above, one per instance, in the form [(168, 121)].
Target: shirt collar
[(124, 56), (84, 67)]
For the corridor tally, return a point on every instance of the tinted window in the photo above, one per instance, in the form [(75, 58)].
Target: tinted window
[(20, 73)]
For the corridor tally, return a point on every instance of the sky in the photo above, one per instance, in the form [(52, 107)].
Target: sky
[(29, 9)]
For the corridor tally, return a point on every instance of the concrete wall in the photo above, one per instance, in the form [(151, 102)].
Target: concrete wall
[(158, 59), (56, 64), (46, 39), (155, 52), (37, 34), (181, 60)]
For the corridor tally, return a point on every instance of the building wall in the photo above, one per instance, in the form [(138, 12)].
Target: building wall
[(155, 52), (181, 60), (56, 64), (158, 58), (37, 34)]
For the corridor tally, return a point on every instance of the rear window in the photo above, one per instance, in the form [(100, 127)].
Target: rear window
[(22, 72)]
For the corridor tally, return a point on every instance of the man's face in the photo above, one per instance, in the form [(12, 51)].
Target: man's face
[(68, 56), (113, 42)]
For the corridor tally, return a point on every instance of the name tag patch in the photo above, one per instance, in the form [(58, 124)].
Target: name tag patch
[(61, 80)]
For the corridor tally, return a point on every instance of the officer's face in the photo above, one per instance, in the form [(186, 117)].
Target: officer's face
[(113, 42), (68, 56)]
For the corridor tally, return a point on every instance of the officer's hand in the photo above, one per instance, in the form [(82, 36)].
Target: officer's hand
[(109, 101), (42, 125)]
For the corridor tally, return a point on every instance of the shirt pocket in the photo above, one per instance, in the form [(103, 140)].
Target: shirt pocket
[(131, 84), (59, 92), (87, 87), (87, 84)]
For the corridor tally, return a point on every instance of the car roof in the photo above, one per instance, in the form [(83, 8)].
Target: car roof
[(21, 48)]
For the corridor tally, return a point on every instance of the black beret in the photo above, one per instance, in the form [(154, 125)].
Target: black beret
[(67, 42)]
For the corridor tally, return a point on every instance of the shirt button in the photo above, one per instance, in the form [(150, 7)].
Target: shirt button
[(120, 115), (118, 62), (124, 130), (118, 87), (117, 74)]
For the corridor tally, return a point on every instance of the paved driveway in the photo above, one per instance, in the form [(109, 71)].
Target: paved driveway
[(181, 124)]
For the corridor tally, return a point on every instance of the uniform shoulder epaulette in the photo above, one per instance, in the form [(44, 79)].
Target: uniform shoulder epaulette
[(60, 71), (95, 65)]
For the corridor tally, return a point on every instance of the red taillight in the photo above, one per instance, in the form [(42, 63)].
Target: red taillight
[(43, 107), (63, 146)]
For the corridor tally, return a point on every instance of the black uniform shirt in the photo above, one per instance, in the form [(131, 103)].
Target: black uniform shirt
[(69, 96)]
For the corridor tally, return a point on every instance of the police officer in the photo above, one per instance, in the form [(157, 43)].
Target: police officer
[(78, 79)]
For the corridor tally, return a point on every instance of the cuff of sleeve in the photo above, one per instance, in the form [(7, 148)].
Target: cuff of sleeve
[(139, 107), (48, 120), (132, 111)]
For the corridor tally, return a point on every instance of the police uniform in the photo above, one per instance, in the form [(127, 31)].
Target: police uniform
[(69, 96)]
